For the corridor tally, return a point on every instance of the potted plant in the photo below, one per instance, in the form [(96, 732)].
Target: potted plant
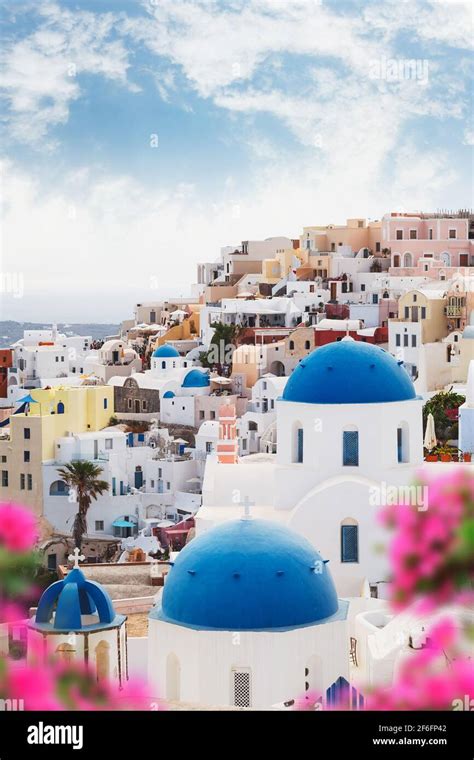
[(431, 456), (466, 456), (445, 453)]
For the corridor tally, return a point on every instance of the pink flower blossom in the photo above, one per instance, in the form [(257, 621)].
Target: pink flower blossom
[(18, 528)]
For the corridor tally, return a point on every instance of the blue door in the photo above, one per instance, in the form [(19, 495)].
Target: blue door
[(138, 478)]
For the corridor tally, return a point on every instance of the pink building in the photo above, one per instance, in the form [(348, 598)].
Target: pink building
[(447, 238)]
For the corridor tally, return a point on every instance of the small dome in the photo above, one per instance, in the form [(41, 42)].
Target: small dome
[(72, 598), (168, 394), (196, 379), (165, 352), (349, 372), (248, 575)]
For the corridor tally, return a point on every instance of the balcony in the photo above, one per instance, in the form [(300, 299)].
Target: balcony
[(454, 311)]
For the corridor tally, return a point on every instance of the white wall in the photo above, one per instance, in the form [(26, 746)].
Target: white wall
[(277, 661)]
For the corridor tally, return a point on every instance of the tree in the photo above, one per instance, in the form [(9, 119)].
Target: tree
[(83, 478), (444, 408), (222, 346)]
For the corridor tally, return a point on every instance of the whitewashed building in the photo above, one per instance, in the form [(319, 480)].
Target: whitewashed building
[(349, 427)]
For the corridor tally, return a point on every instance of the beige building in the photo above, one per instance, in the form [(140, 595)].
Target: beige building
[(356, 233), (421, 320)]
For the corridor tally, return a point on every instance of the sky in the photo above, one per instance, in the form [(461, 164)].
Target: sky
[(141, 136)]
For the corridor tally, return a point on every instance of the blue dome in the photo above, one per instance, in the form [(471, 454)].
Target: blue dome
[(196, 379), (349, 372), (165, 352), (73, 597), (248, 575), (168, 394)]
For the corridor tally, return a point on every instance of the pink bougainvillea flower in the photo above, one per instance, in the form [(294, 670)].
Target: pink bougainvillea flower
[(11, 612), (18, 528), (35, 686)]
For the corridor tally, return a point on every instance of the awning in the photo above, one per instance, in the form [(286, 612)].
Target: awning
[(123, 524), (26, 400)]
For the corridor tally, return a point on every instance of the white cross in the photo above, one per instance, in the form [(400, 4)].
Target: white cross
[(246, 504), (76, 556)]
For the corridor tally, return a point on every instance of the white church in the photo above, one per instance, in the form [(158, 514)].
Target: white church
[(349, 431)]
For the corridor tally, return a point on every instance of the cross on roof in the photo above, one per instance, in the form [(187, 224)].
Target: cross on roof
[(246, 504), (76, 557)]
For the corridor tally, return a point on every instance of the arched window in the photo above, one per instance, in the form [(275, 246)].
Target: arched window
[(349, 540), (173, 677), (292, 345), (446, 259), (253, 426), (403, 443), (298, 443), (58, 488), (60, 408), (350, 447), (163, 365), (307, 345), (408, 260), (65, 652), (102, 660)]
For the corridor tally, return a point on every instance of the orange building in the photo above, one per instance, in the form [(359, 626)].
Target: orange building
[(6, 361)]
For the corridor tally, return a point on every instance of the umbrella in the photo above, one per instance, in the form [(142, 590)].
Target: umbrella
[(430, 433), (194, 480), (27, 400), (178, 313), (221, 380), (179, 440)]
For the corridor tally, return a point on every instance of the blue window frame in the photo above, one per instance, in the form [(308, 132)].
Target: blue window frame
[(105, 403), (299, 445), (349, 543), (350, 448)]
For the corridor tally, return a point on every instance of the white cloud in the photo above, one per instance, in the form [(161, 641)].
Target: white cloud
[(41, 72)]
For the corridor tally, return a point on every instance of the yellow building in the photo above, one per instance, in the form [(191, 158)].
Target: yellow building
[(188, 329), (426, 308), (275, 269), (29, 440)]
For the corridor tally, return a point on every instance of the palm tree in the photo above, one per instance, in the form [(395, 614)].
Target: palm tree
[(83, 477)]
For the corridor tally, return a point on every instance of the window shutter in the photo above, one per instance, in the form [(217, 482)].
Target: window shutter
[(349, 543)]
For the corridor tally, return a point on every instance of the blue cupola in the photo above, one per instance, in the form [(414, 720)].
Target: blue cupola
[(165, 352), (64, 603), (349, 372), (248, 574), (196, 379)]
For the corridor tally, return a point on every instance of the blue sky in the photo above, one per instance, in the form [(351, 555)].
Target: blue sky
[(268, 114)]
